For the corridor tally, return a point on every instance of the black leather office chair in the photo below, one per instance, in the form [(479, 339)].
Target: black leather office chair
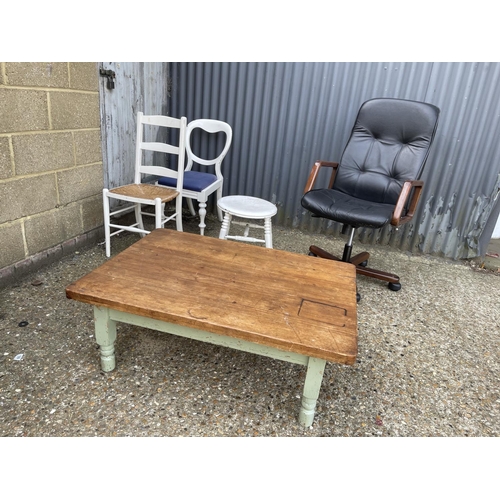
[(376, 181)]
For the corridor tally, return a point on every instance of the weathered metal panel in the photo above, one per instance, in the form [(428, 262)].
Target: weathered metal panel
[(139, 86), (287, 115), (464, 179)]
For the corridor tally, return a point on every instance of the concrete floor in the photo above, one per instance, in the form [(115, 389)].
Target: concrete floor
[(428, 362)]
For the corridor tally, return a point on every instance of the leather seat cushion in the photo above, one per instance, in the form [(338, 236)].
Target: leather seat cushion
[(346, 209)]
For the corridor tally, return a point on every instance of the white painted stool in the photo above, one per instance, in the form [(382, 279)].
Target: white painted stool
[(247, 207)]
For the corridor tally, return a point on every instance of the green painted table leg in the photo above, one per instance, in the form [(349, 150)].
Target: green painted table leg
[(312, 385), (105, 334)]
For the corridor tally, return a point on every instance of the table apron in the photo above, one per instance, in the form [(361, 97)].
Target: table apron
[(201, 335)]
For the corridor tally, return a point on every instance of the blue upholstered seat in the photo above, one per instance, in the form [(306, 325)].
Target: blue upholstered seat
[(193, 181)]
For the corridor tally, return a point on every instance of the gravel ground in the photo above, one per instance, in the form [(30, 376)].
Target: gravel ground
[(428, 361)]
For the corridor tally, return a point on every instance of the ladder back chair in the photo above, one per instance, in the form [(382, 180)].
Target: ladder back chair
[(143, 193)]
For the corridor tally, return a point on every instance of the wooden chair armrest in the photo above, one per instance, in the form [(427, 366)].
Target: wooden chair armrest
[(397, 216), (314, 173)]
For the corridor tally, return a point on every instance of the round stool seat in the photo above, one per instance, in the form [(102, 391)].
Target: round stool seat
[(247, 207)]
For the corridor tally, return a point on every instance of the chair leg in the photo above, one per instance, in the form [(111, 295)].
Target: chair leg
[(138, 218), (220, 215), (190, 205), (319, 252), (178, 216), (107, 229), (202, 211), (158, 214), (392, 279), (360, 260)]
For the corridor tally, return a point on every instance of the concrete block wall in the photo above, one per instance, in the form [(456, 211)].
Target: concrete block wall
[(51, 173)]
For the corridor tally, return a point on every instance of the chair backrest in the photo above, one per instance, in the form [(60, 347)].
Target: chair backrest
[(167, 122), (389, 144), (212, 127)]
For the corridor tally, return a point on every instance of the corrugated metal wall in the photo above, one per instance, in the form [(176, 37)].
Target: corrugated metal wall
[(287, 115)]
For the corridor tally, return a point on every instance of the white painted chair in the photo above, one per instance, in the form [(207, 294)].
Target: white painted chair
[(200, 185), (140, 193), (247, 207)]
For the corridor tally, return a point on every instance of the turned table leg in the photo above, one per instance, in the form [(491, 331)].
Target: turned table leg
[(105, 334), (312, 385)]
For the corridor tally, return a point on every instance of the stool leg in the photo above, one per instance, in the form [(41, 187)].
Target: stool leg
[(224, 230), (268, 232)]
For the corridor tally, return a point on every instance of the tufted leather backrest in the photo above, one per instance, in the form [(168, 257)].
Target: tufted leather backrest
[(389, 144)]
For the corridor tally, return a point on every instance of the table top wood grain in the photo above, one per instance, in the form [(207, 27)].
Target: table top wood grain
[(271, 297)]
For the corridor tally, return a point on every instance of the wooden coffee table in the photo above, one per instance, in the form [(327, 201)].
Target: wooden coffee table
[(279, 304)]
